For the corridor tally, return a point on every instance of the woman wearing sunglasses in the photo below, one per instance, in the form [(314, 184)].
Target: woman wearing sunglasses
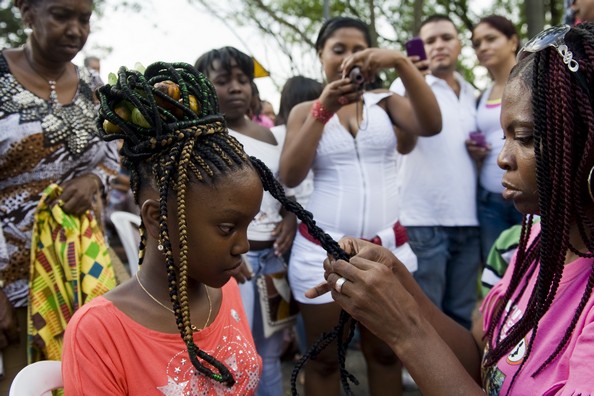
[(537, 333)]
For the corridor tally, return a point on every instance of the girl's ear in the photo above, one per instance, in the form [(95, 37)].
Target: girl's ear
[(150, 217)]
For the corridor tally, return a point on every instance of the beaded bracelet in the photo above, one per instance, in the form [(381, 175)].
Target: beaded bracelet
[(320, 113)]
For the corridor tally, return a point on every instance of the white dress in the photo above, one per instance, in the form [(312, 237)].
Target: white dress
[(355, 193)]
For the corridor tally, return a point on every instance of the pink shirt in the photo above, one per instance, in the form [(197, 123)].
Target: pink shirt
[(107, 353), (571, 372)]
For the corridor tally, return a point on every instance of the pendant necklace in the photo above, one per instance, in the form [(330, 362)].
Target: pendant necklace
[(194, 327), (53, 97)]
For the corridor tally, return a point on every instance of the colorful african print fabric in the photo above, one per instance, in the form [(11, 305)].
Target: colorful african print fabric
[(70, 265), (41, 144)]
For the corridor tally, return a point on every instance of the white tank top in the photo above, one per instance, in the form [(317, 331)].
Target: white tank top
[(355, 184)]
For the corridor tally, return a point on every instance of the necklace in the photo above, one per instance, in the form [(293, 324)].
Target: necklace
[(53, 97), (194, 327)]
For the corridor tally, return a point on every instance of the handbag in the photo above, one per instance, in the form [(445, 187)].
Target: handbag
[(279, 308)]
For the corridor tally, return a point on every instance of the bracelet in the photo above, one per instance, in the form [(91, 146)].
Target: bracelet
[(320, 113)]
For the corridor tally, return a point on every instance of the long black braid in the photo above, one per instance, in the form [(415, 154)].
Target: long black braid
[(171, 141), (276, 190)]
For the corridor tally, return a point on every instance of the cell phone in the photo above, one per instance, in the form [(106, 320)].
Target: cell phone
[(415, 47), (478, 138)]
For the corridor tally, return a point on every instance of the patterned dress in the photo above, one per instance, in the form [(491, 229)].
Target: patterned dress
[(41, 143)]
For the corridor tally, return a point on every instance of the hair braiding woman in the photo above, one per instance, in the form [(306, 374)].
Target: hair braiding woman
[(537, 333)]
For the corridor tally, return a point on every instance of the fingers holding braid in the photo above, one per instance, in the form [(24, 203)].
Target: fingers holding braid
[(373, 294)]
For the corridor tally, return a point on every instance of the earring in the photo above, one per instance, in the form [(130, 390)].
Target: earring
[(160, 247), (590, 188), (28, 30)]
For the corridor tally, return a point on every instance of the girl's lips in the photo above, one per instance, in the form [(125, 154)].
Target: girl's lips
[(235, 270)]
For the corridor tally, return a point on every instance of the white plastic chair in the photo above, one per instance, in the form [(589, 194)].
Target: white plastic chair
[(126, 225), (38, 379)]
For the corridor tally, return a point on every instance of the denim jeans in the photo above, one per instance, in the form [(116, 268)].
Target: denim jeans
[(270, 349), (495, 215), (449, 263)]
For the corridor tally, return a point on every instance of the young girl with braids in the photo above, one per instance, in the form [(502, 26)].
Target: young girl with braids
[(197, 189), (351, 139), (537, 336)]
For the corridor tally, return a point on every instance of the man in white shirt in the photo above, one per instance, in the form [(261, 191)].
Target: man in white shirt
[(438, 190)]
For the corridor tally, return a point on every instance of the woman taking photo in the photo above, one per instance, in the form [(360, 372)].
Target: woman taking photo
[(351, 139)]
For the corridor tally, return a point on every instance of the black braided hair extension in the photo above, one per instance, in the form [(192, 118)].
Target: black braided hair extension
[(346, 324), (173, 140), (563, 113)]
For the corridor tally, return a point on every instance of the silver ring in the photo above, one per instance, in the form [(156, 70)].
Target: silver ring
[(339, 283)]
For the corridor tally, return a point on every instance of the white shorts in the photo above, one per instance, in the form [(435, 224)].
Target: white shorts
[(306, 267)]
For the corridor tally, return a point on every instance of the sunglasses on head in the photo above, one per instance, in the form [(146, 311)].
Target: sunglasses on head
[(552, 37), (555, 37)]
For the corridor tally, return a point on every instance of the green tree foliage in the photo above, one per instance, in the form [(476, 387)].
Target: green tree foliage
[(293, 24), (11, 29)]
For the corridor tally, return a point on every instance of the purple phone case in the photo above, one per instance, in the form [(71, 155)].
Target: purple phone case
[(478, 138), (415, 47)]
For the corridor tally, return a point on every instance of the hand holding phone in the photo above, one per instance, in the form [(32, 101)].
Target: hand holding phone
[(416, 47), (478, 138)]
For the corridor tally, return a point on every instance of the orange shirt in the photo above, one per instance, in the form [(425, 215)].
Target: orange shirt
[(107, 353)]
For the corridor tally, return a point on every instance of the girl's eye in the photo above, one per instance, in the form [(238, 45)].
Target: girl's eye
[(226, 228)]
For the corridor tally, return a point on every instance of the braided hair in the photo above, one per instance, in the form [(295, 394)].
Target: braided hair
[(564, 151), (170, 138)]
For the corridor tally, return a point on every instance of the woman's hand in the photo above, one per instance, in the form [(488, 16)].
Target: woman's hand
[(374, 293), (285, 234), (477, 152), (339, 93), (9, 327), (372, 60), (78, 193)]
